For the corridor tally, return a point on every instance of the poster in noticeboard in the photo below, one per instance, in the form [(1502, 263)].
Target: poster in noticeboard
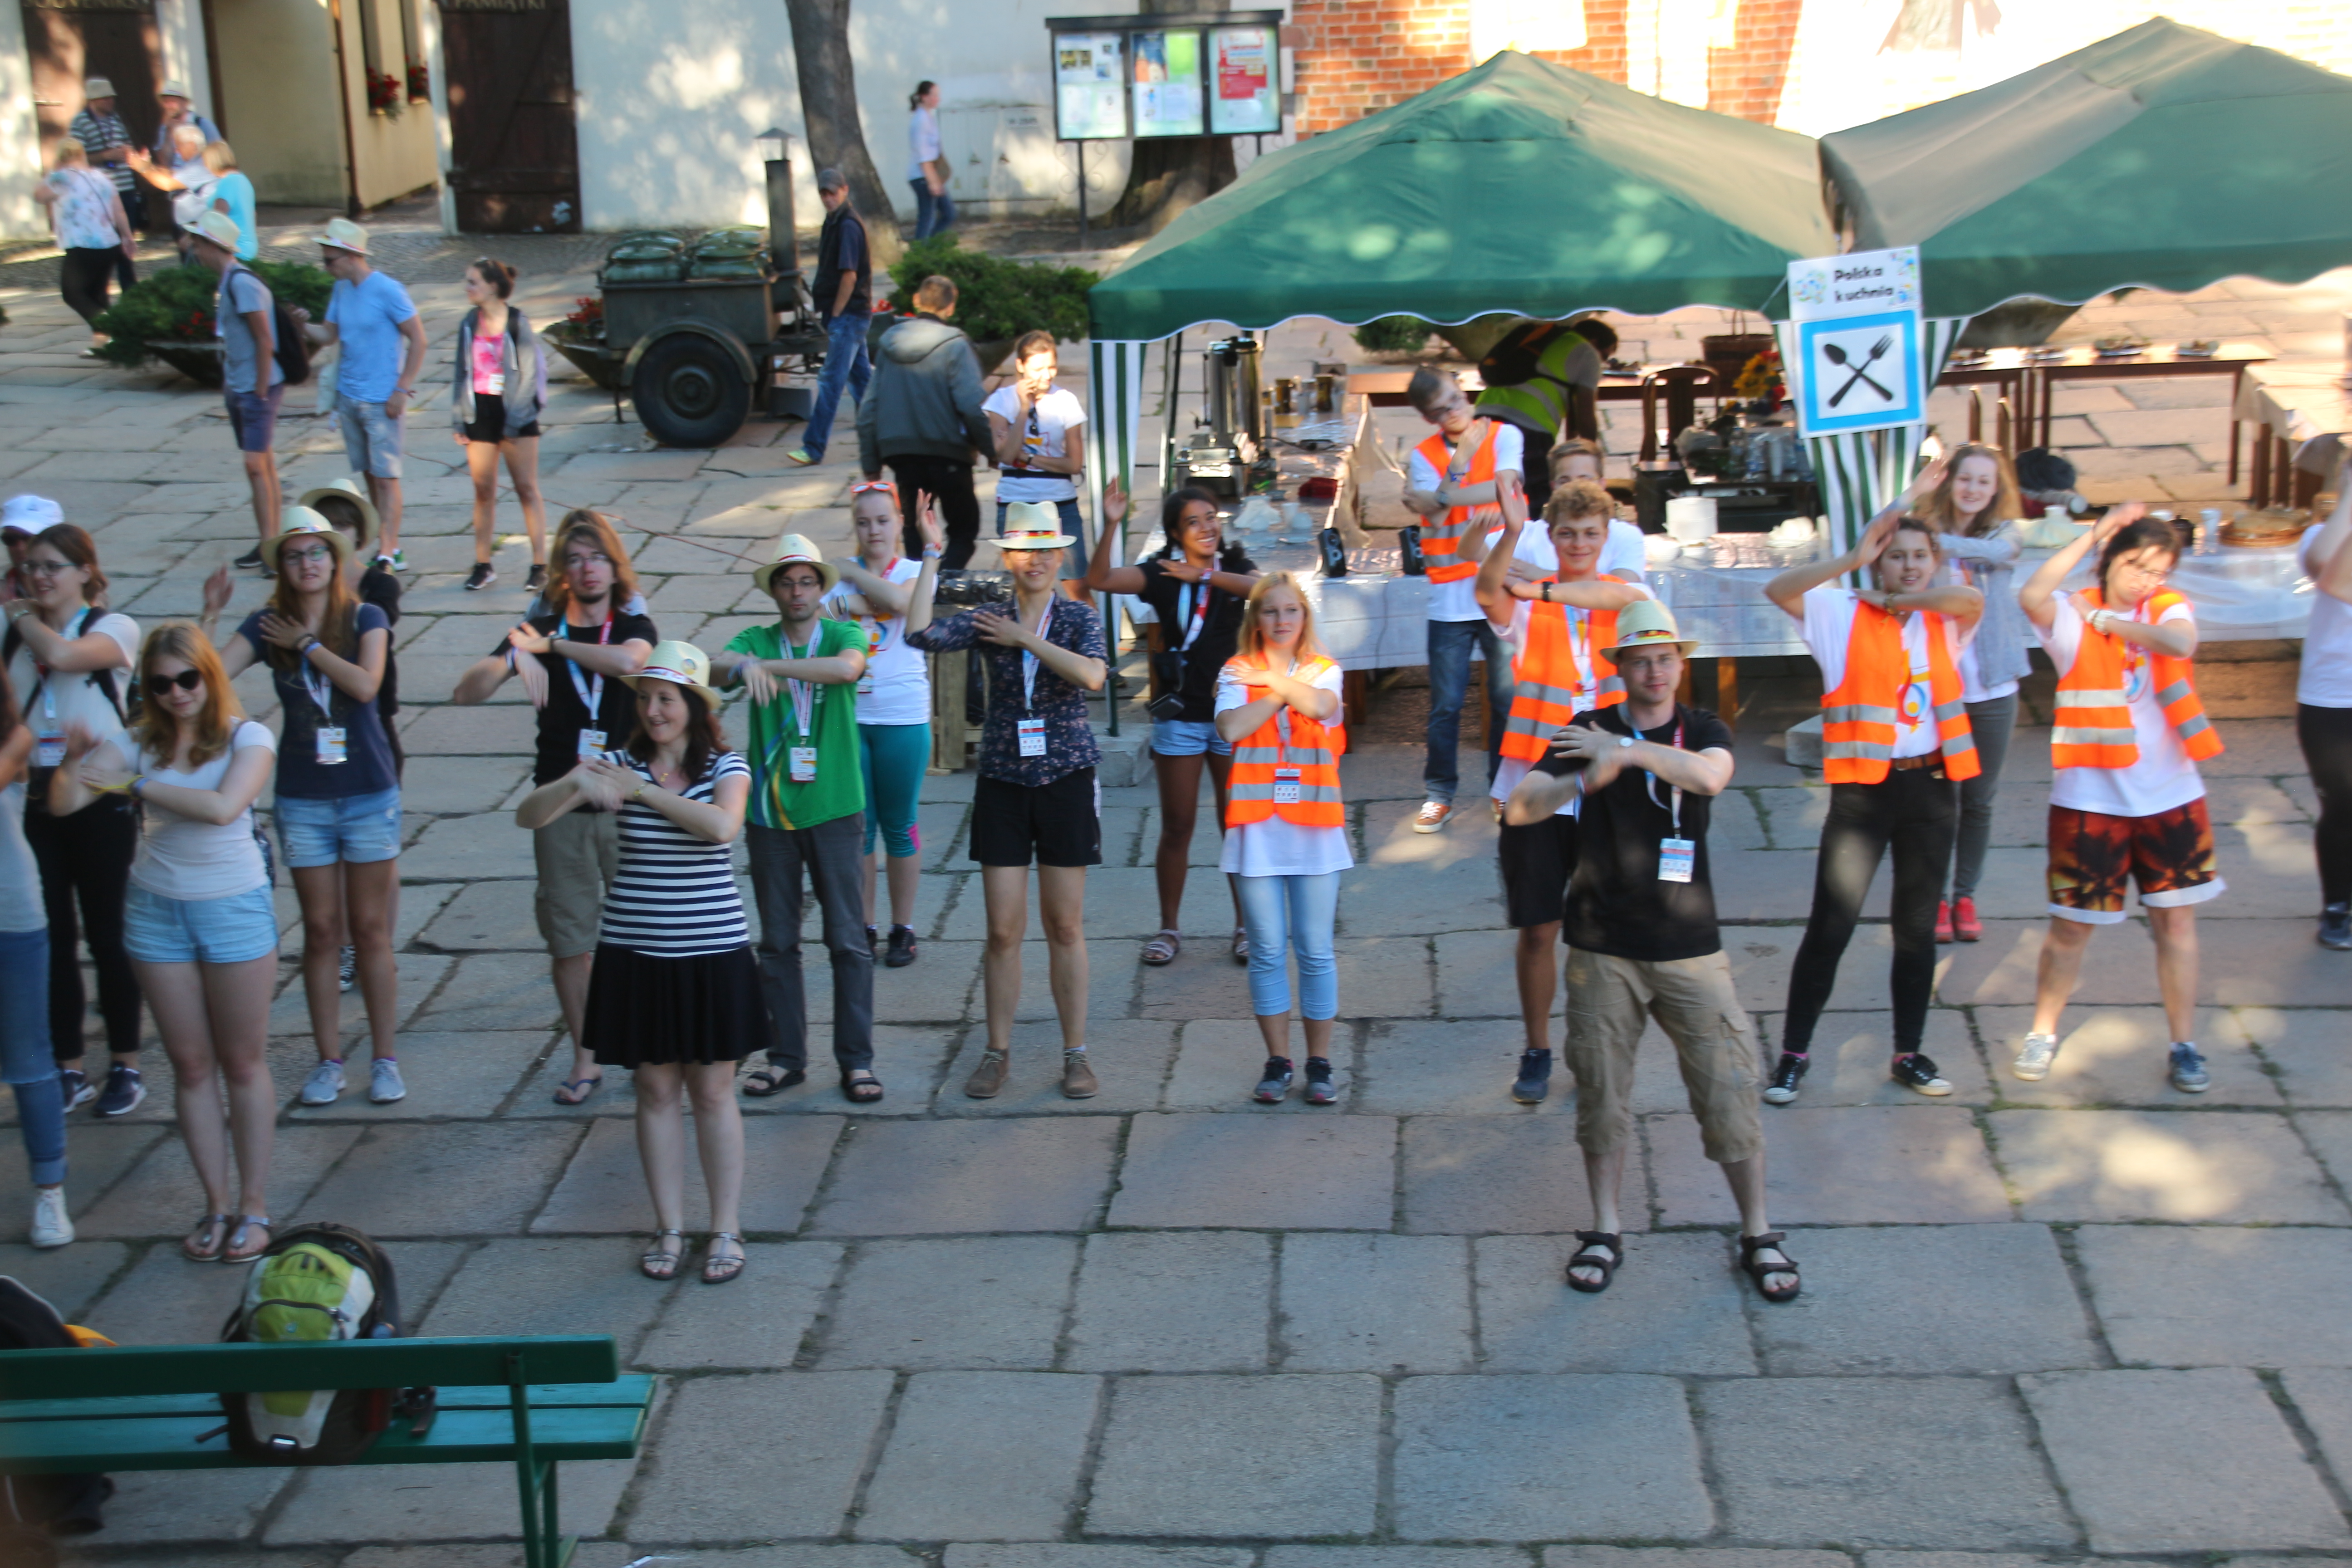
[(1090, 86), (1168, 98), (1245, 98)]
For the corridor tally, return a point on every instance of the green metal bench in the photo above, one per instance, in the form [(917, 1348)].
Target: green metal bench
[(534, 1401)]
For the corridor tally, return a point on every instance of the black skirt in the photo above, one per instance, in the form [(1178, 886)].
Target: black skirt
[(645, 1011)]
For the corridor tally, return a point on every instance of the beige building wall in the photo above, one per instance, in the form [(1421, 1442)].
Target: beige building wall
[(278, 88)]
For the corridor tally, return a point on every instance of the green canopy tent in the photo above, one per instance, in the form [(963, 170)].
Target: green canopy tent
[(1518, 187)]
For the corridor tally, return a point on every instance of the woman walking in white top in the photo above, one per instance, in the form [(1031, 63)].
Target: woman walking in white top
[(927, 165), (2323, 713), (200, 925)]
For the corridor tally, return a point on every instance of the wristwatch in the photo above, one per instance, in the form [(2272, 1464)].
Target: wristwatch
[(1625, 743)]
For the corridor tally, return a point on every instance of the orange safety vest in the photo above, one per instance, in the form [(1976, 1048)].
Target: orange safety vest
[(1858, 720), (1546, 675), (1288, 749), (2093, 728), (1441, 541)]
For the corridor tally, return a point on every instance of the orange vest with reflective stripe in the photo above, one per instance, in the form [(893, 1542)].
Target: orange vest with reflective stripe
[(2093, 722), (1860, 717), (1441, 541), (1544, 676), (1312, 748)]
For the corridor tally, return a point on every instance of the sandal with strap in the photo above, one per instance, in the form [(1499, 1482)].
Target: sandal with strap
[(1749, 1246), (201, 1253), (770, 1078), (661, 1262), (717, 1271), (860, 1087), (1241, 945), (576, 1090), (232, 1253), (1163, 947), (1601, 1249)]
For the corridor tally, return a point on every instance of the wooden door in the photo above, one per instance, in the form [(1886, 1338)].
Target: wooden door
[(515, 162), (71, 40)]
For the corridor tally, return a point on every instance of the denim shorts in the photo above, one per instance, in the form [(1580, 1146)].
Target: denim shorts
[(1187, 738), (254, 420), (371, 438), (359, 828), (235, 930)]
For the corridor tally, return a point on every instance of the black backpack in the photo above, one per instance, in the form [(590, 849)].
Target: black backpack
[(35, 1509), (113, 682), (292, 348)]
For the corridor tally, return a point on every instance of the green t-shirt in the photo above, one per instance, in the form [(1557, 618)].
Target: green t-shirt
[(839, 788)]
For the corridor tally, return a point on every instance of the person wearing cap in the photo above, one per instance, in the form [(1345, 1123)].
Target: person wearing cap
[(93, 230), (1643, 942), (252, 384), (338, 805), (179, 109), (101, 130), (844, 292), (924, 417), (675, 996), (1037, 798), (808, 813), (382, 339), (573, 659)]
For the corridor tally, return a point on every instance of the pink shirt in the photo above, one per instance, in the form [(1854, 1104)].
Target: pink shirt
[(489, 368)]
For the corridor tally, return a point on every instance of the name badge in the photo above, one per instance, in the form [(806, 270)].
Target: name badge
[(331, 748), (591, 745), (804, 761), (49, 748), (1676, 858), (1033, 736), (866, 684), (1286, 786)]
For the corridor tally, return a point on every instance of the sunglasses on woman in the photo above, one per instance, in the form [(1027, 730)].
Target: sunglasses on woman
[(186, 681)]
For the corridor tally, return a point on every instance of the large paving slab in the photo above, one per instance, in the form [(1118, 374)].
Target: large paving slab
[(603, 1188), (2180, 1296), (1375, 1303), (706, 1483), (1336, 1172), (1917, 1164), (2118, 1056), (934, 1481), (1481, 1174), (925, 1178), (1219, 1456), (1673, 1307), (2180, 1165), (959, 1302), (1174, 1302)]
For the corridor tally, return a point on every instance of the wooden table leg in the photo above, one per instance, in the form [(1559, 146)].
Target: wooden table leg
[(2237, 384), (1355, 695), (1726, 691), (2258, 486)]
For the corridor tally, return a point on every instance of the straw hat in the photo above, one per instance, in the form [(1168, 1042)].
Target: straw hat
[(97, 87), (221, 229), (295, 522), (1645, 623), (681, 664), (173, 89), (344, 235), (29, 514), (796, 550), (1032, 525), (351, 491)]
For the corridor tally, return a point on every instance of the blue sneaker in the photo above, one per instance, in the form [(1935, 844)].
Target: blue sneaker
[(122, 1094), (2189, 1074), (1275, 1085), (1535, 1077)]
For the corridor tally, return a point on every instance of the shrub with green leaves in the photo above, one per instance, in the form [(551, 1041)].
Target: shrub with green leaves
[(997, 298), (1393, 334), (174, 304)]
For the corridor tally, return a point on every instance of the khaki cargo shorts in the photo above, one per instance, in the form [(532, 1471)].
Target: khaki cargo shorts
[(1610, 1000), (578, 856)]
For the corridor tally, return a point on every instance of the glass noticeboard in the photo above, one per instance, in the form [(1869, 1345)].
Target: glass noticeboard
[(1167, 77), (1245, 98), (1090, 86)]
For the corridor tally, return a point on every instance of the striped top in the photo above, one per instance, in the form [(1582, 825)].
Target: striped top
[(675, 896)]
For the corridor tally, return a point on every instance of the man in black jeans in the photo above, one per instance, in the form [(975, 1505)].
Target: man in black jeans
[(922, 416)]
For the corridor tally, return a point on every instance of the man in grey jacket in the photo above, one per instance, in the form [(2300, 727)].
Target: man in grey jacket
[(922, 416)]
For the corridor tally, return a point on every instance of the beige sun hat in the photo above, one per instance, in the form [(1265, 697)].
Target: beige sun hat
[(97, 87), (796, 550), (350, 490), (221, 229), (175, 89), (1032, 525), (344, 235), (1645, 623), (681, 664), (297, 521)]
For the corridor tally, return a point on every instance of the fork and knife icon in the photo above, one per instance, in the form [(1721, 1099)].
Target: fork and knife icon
[(1838, 357)]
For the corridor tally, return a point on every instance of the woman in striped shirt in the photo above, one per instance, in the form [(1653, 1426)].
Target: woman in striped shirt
[(674, 995)]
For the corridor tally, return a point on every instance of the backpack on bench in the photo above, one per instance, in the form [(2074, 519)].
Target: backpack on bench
[(34, 1510)]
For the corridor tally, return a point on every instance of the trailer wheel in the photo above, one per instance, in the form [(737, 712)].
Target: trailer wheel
[(688, 392)]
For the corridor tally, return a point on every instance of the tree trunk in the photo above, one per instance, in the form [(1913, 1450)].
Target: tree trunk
[(1167, 176), (837, 138)]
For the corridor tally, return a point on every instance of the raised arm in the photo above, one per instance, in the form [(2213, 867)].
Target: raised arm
[(2002, 547), (1101, 575), (2041, 588), (1790, 588), (72, 655), (1491, 586)]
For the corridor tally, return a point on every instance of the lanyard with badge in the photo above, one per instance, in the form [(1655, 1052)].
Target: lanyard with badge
[(1286, 773), (1915, 698), (591, 689), (808, 699), (1678, 855), (50, 731), (1032, 730), (333, 737), (878, 634)]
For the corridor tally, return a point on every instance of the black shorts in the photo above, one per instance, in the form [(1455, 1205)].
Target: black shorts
[(489, 422), (1536, 862), (1057, 824)]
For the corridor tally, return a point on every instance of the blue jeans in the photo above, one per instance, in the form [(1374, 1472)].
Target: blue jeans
[(24, 1058), (1450, 643), (1300, 908), (933, 213), (845, 363)]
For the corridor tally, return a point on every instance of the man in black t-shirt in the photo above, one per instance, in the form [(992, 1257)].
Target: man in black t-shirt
[(1643, 941), (575, 661)]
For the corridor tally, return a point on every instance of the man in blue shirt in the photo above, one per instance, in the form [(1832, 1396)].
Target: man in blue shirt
[(844, 291), (382, 339), (251, 382)]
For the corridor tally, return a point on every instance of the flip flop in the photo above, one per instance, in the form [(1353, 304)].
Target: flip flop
[(575, 1091)]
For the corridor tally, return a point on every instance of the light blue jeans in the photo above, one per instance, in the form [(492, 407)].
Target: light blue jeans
[(25, 1060), (1285, 914)]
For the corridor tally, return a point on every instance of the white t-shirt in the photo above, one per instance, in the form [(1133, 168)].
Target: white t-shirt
[(1276, 847), (2326, 681), (2166, 775), (1459, 601), (180, 857), (1829, 628), (1045, 433), (1509, 770), (1621, 556), (56, 704), (897, 689)]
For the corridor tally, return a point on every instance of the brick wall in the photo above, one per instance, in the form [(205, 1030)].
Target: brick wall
[(1356, 57)]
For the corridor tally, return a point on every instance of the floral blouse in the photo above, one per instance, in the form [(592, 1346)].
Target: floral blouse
[(1069, 743)]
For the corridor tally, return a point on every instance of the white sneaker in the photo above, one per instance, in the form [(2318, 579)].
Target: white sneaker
[(325, 1084), (52, 1227), (384, 1086), (2034, 1059)]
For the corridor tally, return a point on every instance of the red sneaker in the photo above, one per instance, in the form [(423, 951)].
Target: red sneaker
[(1943, 921), (1965, 924)]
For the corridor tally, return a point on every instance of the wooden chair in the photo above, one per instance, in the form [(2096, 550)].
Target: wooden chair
[(1682, 384)]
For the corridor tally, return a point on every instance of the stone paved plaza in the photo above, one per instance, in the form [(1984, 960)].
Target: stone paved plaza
[(1167, 1328)]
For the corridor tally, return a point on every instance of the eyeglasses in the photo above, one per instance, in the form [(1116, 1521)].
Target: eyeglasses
[(186, 681), (297, 557), (47, 568)]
